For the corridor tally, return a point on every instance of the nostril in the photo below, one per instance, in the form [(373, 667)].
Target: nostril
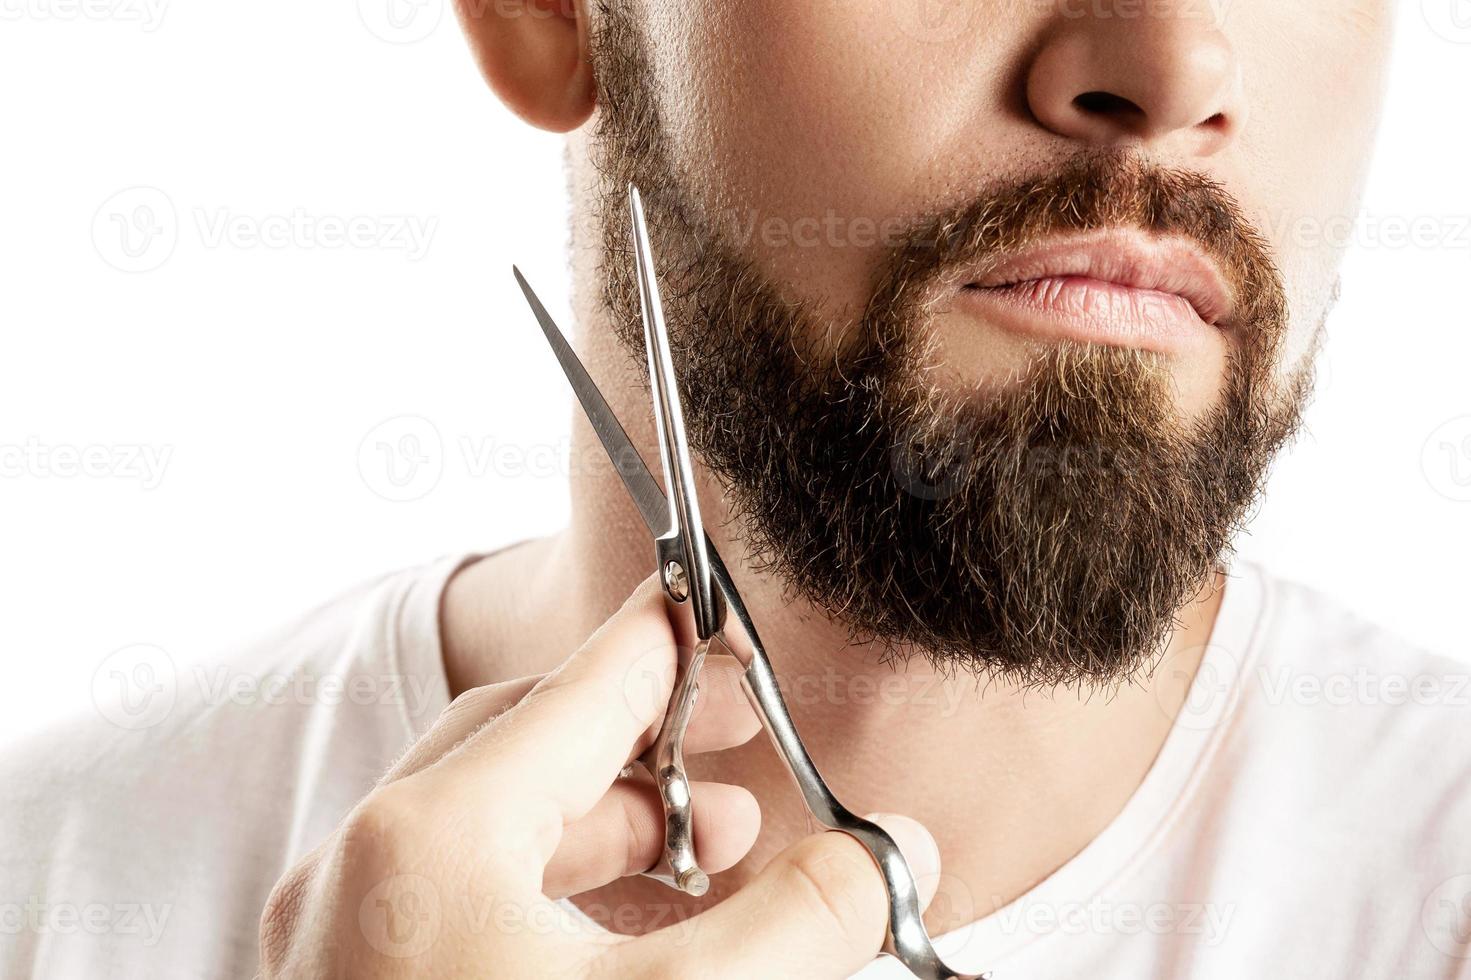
[(1109, 104)]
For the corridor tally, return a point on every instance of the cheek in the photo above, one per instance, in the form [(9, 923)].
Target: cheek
[(823, 132), (1315, 77), (828, 125)]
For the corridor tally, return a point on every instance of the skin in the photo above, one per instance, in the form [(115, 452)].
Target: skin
[(868, 109), (488, 898)]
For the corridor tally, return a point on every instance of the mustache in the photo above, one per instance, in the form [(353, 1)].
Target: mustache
[(1090, 192)]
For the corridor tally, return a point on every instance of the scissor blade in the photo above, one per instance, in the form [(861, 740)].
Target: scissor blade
[(688, 529), (639, 482)]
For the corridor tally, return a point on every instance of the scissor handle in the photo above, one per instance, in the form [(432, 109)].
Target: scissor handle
[(665, 762), (907, 939)]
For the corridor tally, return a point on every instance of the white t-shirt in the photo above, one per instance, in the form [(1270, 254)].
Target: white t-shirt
[(1309, 815)]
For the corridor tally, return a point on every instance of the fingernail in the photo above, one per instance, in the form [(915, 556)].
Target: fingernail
[(918, 848)]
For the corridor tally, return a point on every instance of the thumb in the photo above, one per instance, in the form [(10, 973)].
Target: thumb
[(819, 909)]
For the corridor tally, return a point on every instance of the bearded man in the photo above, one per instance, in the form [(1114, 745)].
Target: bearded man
[(985, 349)]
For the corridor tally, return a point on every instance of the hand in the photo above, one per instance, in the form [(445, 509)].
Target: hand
[(453, 864)]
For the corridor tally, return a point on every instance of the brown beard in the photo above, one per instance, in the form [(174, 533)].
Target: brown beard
[(1041, 535)]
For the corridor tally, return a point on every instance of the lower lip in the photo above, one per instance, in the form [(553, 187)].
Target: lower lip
[(1093, 311)]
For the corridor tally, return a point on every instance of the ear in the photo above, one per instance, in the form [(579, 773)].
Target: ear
[(534, 55)]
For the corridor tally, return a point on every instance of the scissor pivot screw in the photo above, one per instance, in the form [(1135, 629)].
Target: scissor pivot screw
[(676, 582), (692, 881)]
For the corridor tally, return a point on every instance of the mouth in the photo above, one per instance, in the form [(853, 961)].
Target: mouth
[(1121, 288)]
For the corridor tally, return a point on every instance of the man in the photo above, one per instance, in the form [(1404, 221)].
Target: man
[(986, 346)]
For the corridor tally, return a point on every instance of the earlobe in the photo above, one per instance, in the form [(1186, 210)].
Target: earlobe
[(534, 55)]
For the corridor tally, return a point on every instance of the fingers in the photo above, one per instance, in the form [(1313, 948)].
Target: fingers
[(463, 718), (722, 718), (818, 910), (546, 761), (624, 835)]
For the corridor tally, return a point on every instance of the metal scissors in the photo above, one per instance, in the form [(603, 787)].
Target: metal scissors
[(692, 572)]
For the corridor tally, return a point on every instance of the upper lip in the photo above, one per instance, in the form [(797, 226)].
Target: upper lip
[(1132, 259)]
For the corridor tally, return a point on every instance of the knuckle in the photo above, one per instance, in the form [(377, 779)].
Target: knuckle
[(464, 703), (376, 828), (839, 884), (279, 918), (478, 704), (413, 827)]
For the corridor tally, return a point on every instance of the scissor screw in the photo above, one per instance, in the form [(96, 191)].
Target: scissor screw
[(676, 582), (692, 881)]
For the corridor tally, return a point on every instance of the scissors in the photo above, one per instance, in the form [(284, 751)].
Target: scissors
[(692, 573)]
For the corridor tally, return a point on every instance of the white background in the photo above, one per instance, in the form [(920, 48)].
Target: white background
[(271, 374)]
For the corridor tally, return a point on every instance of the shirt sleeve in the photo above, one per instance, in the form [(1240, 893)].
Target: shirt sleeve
[(142, 837)]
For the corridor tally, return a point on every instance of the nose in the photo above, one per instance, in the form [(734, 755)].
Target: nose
[(1146, 73)]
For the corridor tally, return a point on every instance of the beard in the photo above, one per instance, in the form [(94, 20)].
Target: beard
[(1038, 534)]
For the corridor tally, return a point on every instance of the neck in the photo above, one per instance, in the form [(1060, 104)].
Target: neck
[(976, 763)]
